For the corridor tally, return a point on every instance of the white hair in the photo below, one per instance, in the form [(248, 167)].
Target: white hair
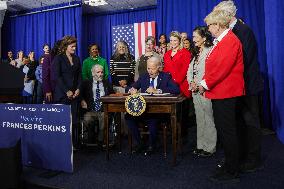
[(220, 17), (228, 6), (155, 59), (96, 66)]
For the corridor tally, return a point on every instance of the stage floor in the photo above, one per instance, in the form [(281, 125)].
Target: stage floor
[(91, 170)]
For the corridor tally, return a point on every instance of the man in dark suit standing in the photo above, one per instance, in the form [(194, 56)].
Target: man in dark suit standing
[(153, 82), (249, 104), (92, 91)]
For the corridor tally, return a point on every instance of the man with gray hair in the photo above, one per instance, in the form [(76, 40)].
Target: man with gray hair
[(153, 82), (92, 91), (250, 148)]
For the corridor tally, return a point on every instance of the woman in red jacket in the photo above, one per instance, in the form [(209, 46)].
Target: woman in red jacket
[(176, 63), (223, 83)]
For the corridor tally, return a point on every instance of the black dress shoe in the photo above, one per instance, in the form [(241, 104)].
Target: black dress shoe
[(150, 150), (205, 154), (250, 167), (197, 151), (139, 148)]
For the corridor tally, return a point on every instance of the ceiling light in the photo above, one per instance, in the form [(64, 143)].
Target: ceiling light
[(95, 2), (3, 5)]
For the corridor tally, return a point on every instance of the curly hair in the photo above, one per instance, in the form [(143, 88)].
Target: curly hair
[(56, 48), (127, 54), (66, 40)]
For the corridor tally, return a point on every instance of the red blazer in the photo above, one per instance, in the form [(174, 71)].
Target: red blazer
[(224, 69), (177, 66)]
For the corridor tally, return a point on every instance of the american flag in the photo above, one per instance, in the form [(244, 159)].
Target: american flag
[(134, 35)]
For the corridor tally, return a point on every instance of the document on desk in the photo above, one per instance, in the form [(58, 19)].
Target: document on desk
[(161, 94)]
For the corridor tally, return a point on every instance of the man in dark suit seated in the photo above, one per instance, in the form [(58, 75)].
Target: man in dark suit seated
[(151, 82), (92, 91)]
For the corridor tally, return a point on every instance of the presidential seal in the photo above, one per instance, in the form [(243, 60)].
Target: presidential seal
[(135, 104)]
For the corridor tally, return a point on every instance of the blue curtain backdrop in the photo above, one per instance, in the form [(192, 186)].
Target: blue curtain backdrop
[(97, 28), (30, 32), (265, 17), (274, 27), (172, 15)]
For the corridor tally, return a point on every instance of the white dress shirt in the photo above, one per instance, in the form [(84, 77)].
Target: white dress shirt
[(101, 86)]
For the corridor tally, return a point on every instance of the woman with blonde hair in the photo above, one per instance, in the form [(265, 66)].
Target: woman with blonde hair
[(223, 83), (176, 61)]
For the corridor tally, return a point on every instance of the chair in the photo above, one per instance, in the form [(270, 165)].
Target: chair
[(144, 132), (89, 135)]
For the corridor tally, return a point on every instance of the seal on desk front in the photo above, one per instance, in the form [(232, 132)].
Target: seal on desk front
[(135, 104)]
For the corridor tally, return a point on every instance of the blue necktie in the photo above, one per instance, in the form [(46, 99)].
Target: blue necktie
[(97, 100), (151, 82)]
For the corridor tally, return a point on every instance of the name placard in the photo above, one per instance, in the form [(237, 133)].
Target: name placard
[(45, 133)]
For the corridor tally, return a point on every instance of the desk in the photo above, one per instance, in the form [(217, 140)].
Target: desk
[(154, 104)]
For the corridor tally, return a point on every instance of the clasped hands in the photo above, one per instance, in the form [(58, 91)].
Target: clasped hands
[(72, 95), (123, 83), (195, 88)]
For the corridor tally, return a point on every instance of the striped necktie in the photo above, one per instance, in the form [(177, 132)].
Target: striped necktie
[(97, 100)]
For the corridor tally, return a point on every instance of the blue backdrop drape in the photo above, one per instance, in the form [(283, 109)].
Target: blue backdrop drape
[(97, 28), (170, 17), (30, 32), (265, 17), (274, 28)]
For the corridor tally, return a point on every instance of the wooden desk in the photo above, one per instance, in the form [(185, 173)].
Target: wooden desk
[(154, 104)]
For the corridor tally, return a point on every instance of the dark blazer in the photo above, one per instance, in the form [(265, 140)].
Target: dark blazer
[(87, 91), (67, 77), (48, 78), (252, 75), (165, 83)]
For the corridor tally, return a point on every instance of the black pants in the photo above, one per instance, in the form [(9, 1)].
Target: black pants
[(39, 93), (75, 117), (224, 111), (249, 129)]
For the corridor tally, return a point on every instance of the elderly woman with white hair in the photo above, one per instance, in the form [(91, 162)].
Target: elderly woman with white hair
[(249, 104), (223, 83)]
